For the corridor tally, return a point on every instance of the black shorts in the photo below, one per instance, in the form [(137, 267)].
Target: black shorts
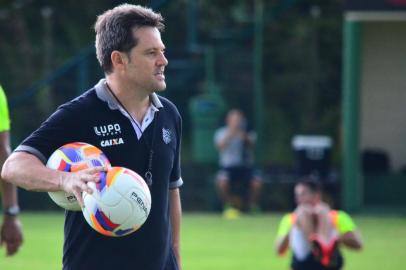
[(310, 263), (238, 174)]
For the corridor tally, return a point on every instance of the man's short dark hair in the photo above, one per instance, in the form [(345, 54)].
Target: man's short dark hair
[(114, 30), (312, 184)]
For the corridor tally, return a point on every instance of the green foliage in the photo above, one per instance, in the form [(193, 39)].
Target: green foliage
[(302, 79), (302, 58), (210, 242)]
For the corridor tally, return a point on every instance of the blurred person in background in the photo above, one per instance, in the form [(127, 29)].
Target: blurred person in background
[(314, 232), (10, 230), (235, 146)]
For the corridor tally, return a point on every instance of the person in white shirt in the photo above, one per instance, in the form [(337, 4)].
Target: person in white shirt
[(235, 145)]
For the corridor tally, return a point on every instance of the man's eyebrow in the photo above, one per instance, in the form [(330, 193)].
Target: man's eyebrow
[(156, 49)]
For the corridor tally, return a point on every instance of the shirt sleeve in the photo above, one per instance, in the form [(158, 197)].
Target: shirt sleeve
[(345, 223), (4, 114), (59, 129), (175, 178), (219, 135), (284, 226)]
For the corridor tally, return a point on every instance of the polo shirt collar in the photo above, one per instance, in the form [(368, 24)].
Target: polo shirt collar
[(104, 94)]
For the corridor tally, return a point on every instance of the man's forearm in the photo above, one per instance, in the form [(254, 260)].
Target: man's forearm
[(352, 240), (282, 245), (28, 172), (9, 191), (225, 140), (9, 194), (176, 216)]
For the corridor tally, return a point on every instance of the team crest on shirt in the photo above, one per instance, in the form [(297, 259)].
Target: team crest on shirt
[(166, 135)]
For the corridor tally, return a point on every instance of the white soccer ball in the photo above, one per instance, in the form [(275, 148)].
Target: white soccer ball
[(73, 157), (65, 200), (120, 202)]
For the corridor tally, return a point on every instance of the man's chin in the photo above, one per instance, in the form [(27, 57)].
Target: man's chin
[(161, 87)]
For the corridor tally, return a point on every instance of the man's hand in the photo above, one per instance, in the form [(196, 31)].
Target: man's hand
[(11, 234), (76, 182), (321, 209), (304, 209)]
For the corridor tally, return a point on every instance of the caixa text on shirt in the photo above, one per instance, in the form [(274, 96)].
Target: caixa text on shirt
[(111, 142)]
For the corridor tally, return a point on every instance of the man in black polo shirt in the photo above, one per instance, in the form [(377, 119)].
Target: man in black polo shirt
[(134, 127)]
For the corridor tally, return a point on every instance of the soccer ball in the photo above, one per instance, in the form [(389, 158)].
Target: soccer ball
[(73, 157), (120, 202)]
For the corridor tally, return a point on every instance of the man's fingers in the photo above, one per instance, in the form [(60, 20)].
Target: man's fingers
[(84, 187), (90, 177), (93, 174), (77, 181), (97, 169), (78, 196), (13, 241)]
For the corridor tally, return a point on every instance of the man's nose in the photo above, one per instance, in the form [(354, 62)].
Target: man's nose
[(162, 61)]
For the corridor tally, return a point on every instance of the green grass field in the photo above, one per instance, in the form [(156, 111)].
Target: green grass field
[(210, 242)]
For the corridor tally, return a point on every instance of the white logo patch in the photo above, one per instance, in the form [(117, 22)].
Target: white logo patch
[(111, 142), (166, 135), (106, 130)]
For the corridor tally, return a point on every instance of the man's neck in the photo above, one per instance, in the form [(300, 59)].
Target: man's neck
[(136, 102)]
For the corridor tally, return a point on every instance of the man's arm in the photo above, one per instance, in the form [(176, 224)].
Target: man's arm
[(349, 235), (27, 171), (10, 232), (282, 244), (222, 139), (351, 240), (176, 216), (282, 236)]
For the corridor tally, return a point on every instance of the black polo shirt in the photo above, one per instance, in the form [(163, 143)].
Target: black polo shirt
[(96, 118)]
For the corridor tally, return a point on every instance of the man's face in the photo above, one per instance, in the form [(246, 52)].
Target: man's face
[(146, 62), (304, 195), (234, 120)]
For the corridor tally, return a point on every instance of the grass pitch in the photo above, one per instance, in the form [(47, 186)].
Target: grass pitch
[(210, 242)]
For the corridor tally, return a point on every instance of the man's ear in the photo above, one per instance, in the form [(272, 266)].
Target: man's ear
[(118, 60)]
